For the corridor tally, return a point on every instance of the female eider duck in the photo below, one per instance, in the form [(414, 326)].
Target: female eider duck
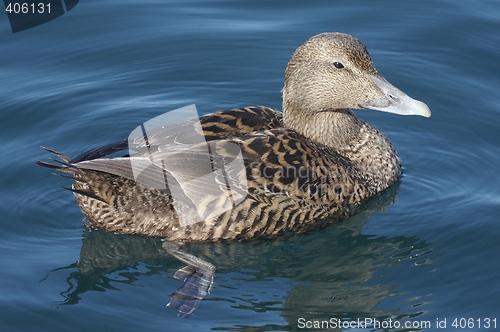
[(268, 172)]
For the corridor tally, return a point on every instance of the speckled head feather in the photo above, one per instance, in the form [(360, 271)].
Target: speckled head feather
[(313, 83)]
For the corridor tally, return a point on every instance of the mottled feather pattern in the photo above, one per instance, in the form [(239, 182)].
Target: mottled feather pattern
[(291, 183), (315, 160)]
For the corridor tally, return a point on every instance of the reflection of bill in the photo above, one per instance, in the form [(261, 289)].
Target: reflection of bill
[(26, 14), (204, 179)]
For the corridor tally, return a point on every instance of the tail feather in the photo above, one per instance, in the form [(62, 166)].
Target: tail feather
[(65, 164), (58, 165), (60, 155), (71, 177), (48, 165), (85, 193)]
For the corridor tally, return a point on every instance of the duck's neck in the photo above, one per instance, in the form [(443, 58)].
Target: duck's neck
[(375, 159)]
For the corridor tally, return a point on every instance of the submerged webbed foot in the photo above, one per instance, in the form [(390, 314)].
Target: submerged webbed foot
[(198, 278)]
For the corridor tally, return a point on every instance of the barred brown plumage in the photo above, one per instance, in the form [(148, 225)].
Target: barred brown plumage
[(314, 160)]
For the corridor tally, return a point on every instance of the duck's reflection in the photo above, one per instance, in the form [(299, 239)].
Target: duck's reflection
[(332, 272)]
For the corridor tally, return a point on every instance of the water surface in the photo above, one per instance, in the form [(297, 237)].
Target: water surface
[(425, 250)]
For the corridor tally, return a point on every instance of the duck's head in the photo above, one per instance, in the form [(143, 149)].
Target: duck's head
[(333, 72)]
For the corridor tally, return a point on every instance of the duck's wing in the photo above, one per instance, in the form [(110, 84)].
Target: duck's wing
[(277, 162), (171, 147), (218, 125), (284, 163), (222, 124)]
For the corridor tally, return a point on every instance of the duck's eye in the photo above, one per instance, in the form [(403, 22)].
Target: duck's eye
[(338, 65)]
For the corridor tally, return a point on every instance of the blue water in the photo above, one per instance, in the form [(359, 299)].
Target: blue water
[(427, 250)]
